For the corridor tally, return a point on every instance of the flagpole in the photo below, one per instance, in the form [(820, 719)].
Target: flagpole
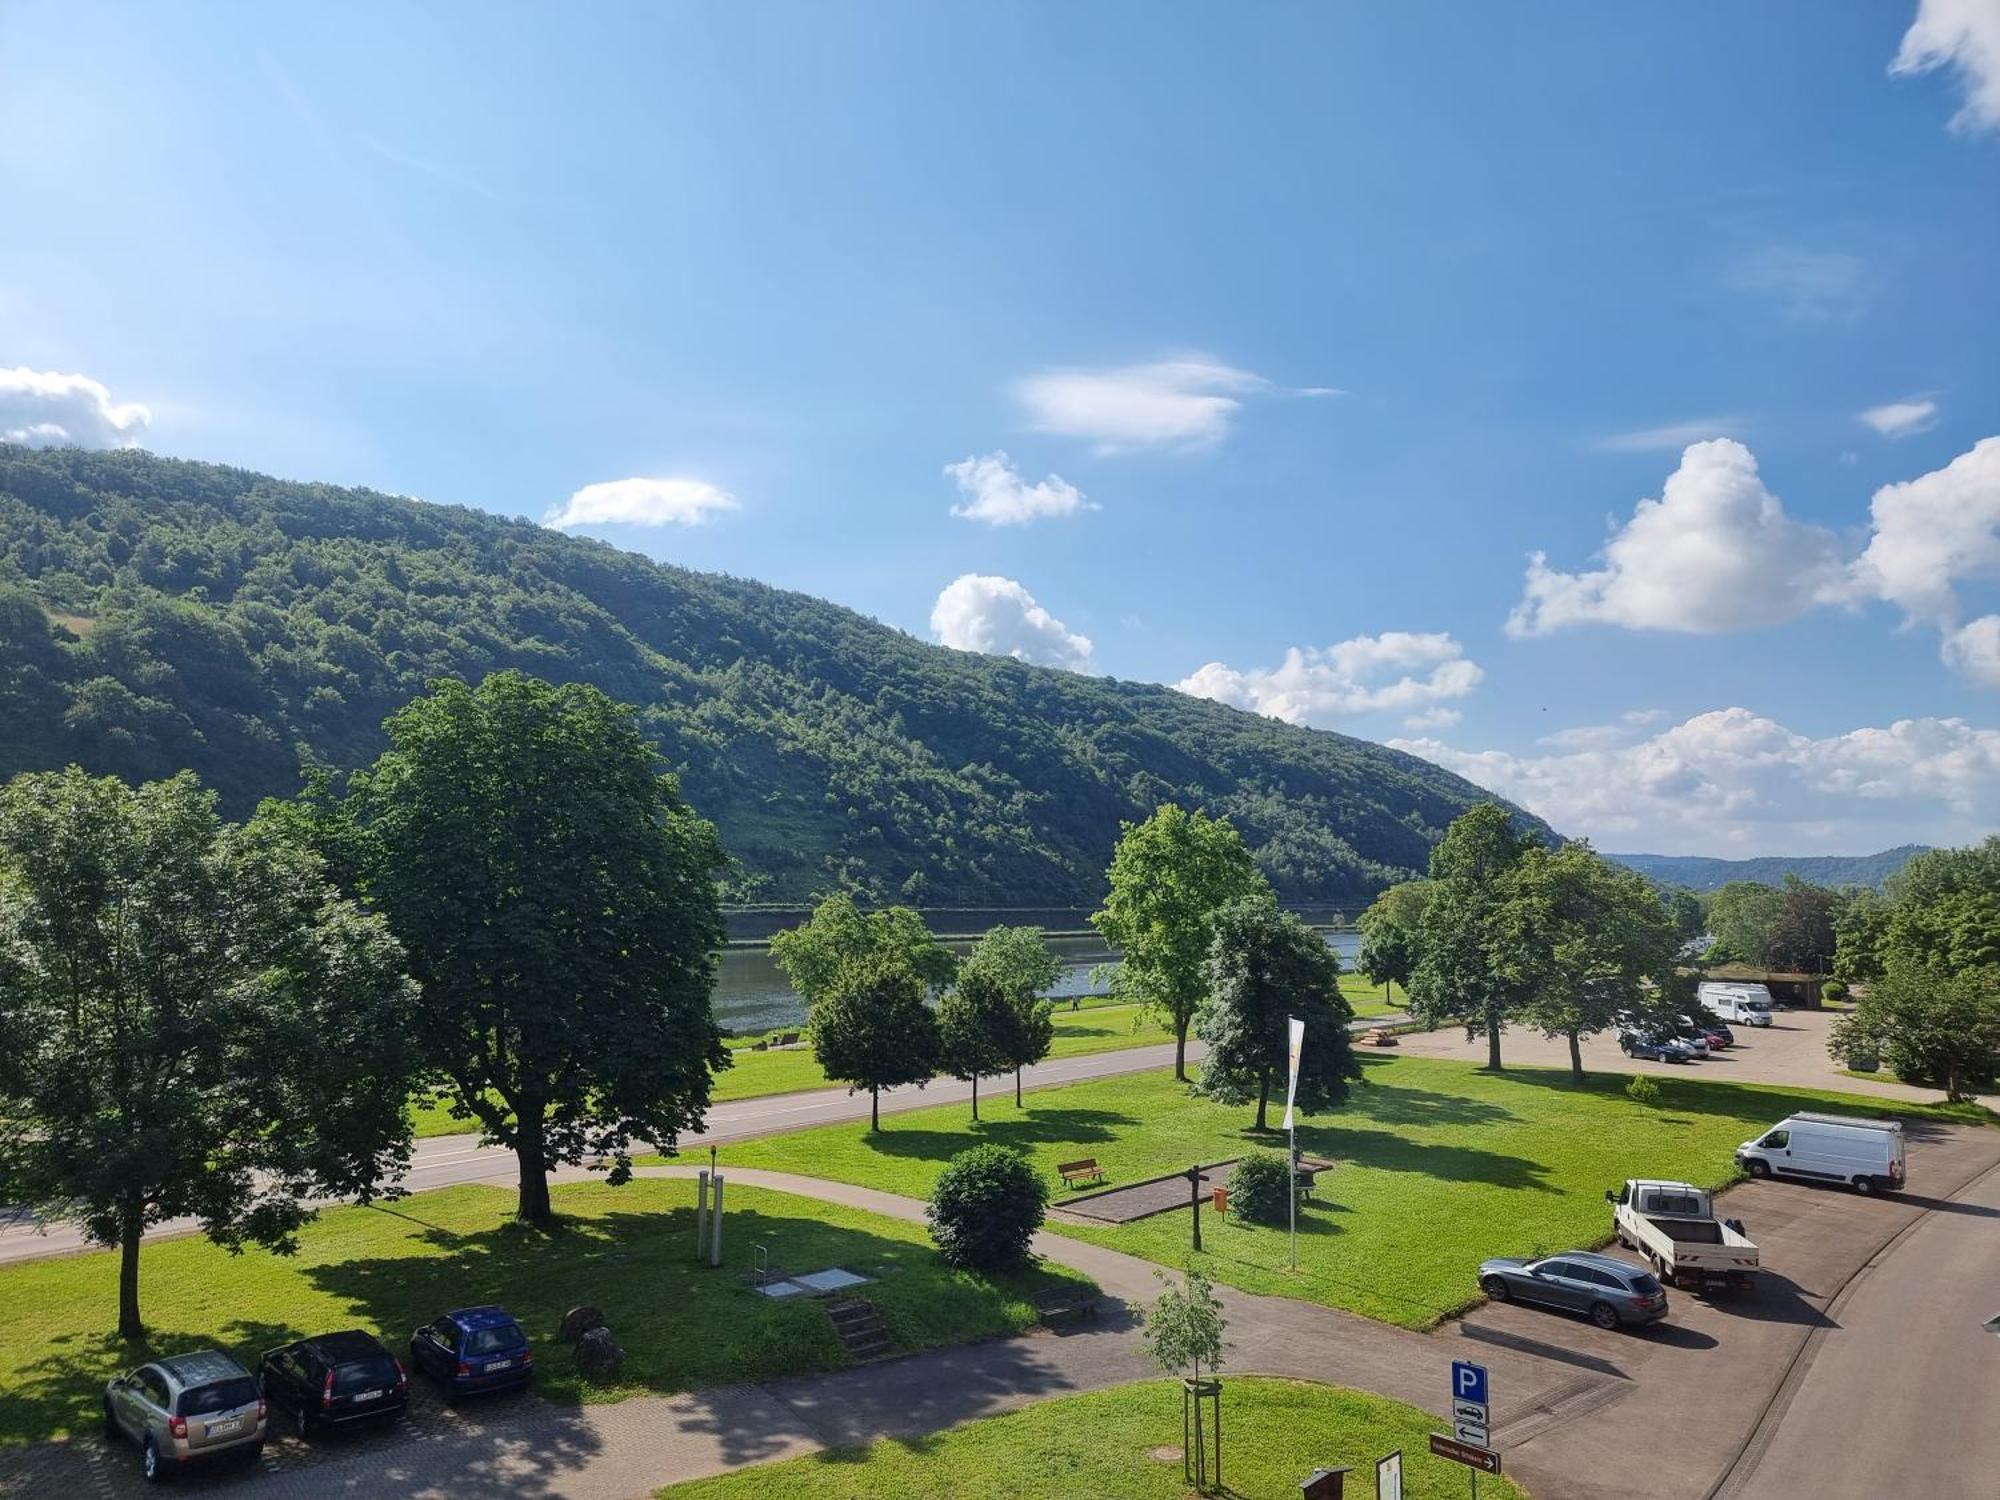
[(1294, 1163), (1296, 1036)]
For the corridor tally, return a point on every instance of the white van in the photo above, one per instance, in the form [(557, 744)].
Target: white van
[(1745, 1004), (1865, 1154)]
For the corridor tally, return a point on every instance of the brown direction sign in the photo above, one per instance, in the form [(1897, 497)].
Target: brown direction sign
[(1483, 1459)]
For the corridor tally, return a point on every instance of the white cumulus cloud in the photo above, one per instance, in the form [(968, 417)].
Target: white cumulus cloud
[(1736, 781), (1933, 531), (1961, 34), (996, 493), (1398, 671), (1187, 402), (1899, 419), (642, 502), (997, 616), (42, 409)]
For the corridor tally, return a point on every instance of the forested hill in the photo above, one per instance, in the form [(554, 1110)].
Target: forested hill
[(1699, 873), (157, 614)]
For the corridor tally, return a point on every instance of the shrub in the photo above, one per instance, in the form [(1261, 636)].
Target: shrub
[(1641, 1089), (1260, 1188), (1833, 990), (986, 1207)]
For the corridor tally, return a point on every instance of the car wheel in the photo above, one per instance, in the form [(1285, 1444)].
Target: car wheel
[(1758, 1168), (1864, 1185), (1604, 1315), (151, 1464), (1495, 1287)]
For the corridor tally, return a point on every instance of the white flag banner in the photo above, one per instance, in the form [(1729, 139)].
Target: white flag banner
[(1298, 1028)]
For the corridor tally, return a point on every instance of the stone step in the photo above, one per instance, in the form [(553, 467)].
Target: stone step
[(859, 1328)]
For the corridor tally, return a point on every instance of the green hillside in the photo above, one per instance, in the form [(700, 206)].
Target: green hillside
[(157, 614), (1699, 873)]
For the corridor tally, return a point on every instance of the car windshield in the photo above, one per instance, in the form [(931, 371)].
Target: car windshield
[(370, 1374), (222, 1395), (493, 1340)]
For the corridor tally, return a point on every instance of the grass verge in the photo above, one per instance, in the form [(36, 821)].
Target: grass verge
[(1440, 1165), (629, 1250), (1275, 1432)]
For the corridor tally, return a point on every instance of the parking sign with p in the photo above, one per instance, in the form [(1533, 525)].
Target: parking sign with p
[(1468, 1382)]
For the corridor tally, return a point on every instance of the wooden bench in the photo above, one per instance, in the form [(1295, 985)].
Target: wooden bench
[(1067, 1310), (1075, 1172)]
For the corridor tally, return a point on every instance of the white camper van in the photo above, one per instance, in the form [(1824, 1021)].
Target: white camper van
[(1745, 1004), (1865, 1154)]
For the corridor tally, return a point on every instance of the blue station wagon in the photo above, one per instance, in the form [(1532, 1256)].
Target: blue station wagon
[(474, 1349)]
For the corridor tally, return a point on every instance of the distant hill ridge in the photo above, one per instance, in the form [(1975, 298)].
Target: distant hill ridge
[(1699, 873), (157, 614)]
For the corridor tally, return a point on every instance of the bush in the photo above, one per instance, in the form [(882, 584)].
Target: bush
[(1833, 990), (986, 1207), (1641, 1089), (1260, 1188)]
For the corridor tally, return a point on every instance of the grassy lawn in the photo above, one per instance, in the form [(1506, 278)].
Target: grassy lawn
[(1441, 1165), (629, 1250), (1366, 998), (1275, 1432)]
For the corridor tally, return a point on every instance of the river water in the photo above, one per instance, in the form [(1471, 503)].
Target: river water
[(751, 994)]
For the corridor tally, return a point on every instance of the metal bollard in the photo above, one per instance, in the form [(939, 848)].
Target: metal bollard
[(715, 1254), (701, 1214)]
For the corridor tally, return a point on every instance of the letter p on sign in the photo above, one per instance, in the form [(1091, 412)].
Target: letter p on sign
[(1468, 1382)]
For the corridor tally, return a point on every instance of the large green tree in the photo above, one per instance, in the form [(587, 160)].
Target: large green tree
[(1802, 936), (1021, 962), (976, 1030), (193, 1021), (1742, 916), (1169, 876), (1454, 977), (1934, 1025), (1265, 967), (873, 1029), (1389, 927), (557, 899), (838, 933), (1582, 942)]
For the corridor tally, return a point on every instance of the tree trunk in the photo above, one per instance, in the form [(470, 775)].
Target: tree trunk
[(131, 1226), (1575, 1058), (874, 1109), (1017, 1088), (1263, 1095), (529, 1149), (1180, 1049), (1493, 1041), (975, 1096)]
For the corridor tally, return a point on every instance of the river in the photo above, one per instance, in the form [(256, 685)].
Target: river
[(751, 995)]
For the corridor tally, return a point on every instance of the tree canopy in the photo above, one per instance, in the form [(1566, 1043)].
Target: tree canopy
[(1454, 977), (1020, 961), (193, 1021), (873, 1030)]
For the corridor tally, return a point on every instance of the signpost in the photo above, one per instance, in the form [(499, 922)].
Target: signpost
[(1470, 1431), (1298, 1038), (1389, 1477)]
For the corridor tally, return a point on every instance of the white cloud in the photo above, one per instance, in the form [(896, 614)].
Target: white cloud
[(1809, 286), (42, 409), (1735, 781), (1317, 684), (1973, 650), (642, 502), (997, 494), (1932, 531), (1715, 553), (1433, 718), (1900, 419), (1172, 403), (977, 612), (1671, 438), (1964, 34)]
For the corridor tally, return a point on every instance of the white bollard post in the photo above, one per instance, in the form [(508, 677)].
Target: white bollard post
[(715, 1255), (701, 1215)]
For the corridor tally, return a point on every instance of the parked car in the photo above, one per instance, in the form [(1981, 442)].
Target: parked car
[(1659, 1048), (1867, 1155), (335, 1378), (186, 1408), (1673, 1224), (474, 1349), (1692, 1038), (1719, 1033), (1610, 1292)]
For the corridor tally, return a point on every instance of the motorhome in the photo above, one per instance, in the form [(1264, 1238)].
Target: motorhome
[(1867, 1155), (1745, 1004)]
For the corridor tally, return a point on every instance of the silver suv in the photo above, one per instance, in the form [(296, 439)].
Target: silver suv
[(186, 1407)]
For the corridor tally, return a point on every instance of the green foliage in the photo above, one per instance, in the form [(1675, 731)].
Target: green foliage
[(1260, 1187), (1641, 1089), (1018, 959), (1265, 966), (1789, 928), (1684, 910), (557, 900), (1389, 928), (978, 1030), (1184, 1326), (1169, 876), (1859, 932), (986, 1207), (1453, 977), (1833, 990), (1936, 1028), (1835, 871), (192, 1021), (839, 933), (871, 1027), (1944, 911), (225, 621)]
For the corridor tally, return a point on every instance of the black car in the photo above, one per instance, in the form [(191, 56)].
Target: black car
[(335, 1378)]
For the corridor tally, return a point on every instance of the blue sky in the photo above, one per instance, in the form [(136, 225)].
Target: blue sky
[(1301, 328)]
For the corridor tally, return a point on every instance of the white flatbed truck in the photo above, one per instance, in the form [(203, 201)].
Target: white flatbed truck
[(1673, 1224)]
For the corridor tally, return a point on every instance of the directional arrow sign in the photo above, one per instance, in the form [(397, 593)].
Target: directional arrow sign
[(1992, 1324)]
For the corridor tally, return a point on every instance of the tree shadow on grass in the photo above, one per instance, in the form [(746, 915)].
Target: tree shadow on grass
[(1026, 1131), (1755, 1104), (1398, 1104), (1392, 1153)]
